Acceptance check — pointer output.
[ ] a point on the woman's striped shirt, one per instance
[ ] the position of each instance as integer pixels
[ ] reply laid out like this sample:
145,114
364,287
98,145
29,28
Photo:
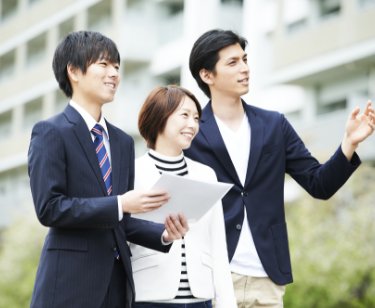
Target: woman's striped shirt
177,165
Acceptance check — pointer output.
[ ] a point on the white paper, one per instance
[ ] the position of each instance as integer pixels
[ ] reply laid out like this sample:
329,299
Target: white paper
190,197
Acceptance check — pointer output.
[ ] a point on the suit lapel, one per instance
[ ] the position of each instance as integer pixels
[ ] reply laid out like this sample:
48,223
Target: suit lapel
213,136
256,146
83,135
115,157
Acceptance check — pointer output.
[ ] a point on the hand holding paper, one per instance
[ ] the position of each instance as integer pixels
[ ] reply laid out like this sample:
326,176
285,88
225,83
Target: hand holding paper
190,197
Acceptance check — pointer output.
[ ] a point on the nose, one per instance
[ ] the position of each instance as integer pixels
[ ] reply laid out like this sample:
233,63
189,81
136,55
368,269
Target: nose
113,72
192,124
244,67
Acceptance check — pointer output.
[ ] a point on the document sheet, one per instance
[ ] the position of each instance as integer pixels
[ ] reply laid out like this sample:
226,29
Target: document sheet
190,197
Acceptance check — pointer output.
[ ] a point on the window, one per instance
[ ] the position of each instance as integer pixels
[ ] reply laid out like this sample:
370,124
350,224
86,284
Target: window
331,107
99,15
7,65
32,2
36,49
226,1
328,8
32,113
66,27
8,8
366,3
5,125
297,26
170,78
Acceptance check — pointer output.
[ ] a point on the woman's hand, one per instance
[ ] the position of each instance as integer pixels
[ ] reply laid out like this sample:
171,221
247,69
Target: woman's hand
174,228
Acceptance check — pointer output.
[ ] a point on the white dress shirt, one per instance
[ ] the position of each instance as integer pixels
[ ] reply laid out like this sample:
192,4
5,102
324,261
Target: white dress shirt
245,260
90,122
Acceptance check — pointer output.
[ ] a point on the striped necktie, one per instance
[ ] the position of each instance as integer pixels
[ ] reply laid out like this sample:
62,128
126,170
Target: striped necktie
103,158
104,164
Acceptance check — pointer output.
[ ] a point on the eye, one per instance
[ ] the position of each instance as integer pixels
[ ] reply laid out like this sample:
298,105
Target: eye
231,63
245,60
103,63
117,67
185,114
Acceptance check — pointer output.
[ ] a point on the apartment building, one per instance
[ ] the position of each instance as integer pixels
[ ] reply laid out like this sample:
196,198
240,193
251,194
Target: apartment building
154,38
313,60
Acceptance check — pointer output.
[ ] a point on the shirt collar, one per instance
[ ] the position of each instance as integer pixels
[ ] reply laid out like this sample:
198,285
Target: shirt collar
90,121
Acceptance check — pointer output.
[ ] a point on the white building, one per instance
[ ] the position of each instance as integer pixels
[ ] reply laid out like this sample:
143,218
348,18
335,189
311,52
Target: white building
311,59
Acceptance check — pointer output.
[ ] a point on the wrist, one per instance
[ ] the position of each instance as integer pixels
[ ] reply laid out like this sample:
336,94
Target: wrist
348,147
123,204
348,143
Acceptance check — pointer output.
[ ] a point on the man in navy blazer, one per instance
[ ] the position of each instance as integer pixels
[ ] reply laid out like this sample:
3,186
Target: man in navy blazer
82,178
253,148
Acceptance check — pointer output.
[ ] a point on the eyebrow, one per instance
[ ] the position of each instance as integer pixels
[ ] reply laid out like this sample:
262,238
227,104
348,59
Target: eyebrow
236,58
188,110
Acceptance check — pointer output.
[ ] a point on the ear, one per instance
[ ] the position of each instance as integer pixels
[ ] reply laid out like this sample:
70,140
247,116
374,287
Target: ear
206,76
72,73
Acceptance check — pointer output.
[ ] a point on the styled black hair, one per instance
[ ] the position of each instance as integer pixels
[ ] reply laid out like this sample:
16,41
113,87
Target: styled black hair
205,53
80,50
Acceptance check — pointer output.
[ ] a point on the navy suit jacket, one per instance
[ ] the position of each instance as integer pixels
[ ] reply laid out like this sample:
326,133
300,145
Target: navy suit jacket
70,197
275,149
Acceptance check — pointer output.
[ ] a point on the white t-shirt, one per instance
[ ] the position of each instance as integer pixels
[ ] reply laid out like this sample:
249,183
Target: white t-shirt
245,260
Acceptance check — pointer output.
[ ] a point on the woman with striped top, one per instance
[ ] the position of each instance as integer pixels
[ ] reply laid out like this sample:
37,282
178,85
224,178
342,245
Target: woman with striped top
196,269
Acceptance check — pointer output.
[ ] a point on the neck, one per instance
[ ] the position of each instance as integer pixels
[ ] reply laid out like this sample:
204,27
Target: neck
227,108
164,148
94,109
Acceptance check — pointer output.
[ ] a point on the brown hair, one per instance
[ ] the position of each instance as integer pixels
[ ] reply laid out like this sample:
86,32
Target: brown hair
159,105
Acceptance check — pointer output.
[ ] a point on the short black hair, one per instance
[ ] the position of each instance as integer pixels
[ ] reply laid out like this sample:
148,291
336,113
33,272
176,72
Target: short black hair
205,53
80,50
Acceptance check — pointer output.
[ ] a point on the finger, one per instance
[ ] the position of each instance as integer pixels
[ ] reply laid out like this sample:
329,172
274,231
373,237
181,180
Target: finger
174,231
149,209
368,107
168,229
372,117
354,114
155,205
183,221
164,199
155,192
372,126
178,225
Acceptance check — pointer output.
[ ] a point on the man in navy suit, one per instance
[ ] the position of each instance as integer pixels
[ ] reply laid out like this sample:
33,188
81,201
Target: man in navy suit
253,148
82,178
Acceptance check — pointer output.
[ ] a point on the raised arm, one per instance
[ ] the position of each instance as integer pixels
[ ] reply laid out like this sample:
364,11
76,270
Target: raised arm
321,181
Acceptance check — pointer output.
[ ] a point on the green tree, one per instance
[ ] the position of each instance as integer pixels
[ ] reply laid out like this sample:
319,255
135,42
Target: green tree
332,246
21,245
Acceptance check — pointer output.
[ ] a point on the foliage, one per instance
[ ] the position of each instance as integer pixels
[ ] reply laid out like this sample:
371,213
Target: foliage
332,246
21,245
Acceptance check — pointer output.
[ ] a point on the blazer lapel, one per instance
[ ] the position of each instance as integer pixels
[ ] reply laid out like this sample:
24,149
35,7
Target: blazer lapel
256,146
83,135
212,134
115,157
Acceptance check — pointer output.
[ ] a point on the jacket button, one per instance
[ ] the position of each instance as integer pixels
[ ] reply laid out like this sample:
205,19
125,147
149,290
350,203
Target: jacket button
245,193
113,248
238,227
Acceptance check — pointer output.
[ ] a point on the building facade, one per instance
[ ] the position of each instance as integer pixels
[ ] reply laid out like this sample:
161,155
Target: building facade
310,59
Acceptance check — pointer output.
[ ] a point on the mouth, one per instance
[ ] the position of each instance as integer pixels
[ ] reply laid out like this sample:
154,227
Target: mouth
110,85
244,81
188,135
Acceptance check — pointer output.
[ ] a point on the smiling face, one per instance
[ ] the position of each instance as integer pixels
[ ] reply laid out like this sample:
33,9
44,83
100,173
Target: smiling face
232,73
180,129
99,84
